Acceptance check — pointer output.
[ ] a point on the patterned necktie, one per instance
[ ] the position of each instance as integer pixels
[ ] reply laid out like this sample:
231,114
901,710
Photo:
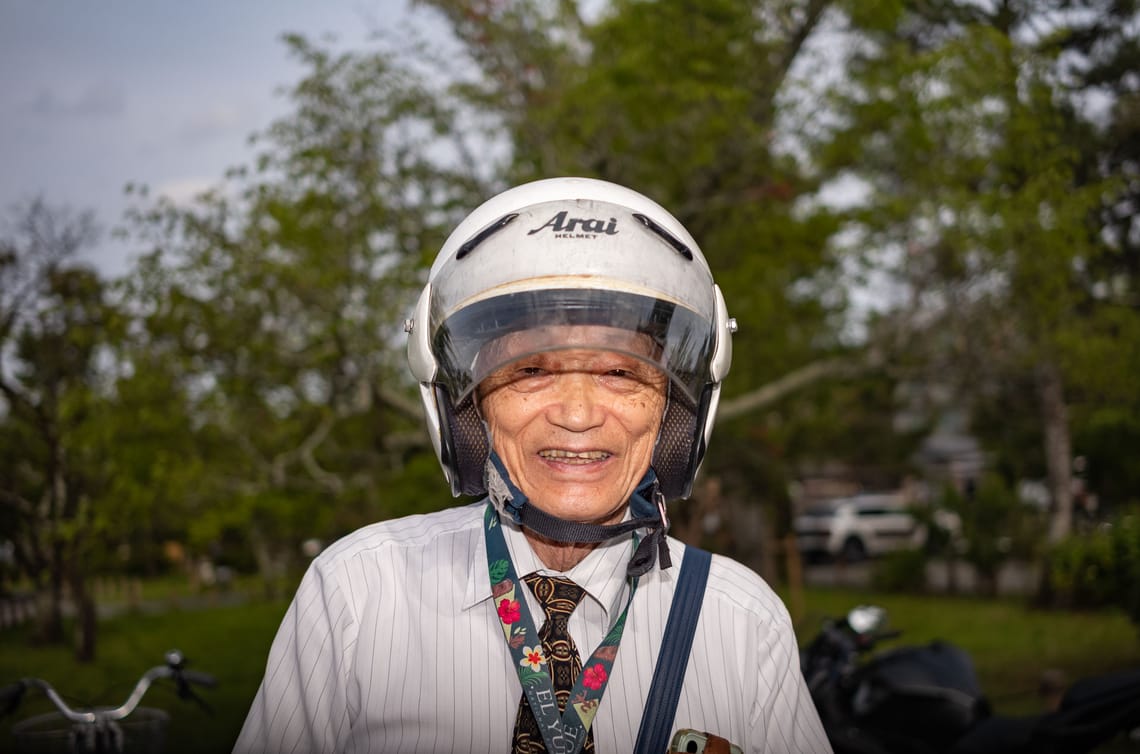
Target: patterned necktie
558,598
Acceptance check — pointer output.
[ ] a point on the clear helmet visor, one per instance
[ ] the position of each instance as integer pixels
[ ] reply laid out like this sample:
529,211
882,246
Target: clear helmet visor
491,333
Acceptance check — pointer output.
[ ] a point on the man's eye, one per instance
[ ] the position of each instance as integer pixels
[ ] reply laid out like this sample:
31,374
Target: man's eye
620,373
529,379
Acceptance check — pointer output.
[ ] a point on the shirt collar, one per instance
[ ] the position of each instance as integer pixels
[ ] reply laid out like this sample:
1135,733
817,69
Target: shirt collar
601,573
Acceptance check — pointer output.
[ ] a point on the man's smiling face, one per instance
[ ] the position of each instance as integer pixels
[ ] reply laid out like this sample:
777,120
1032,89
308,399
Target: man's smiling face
576,427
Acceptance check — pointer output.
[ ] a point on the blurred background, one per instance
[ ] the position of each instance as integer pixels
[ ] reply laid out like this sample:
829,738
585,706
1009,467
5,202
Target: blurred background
216,216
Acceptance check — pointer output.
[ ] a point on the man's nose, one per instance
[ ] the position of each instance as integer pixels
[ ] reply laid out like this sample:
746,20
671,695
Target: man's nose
578,403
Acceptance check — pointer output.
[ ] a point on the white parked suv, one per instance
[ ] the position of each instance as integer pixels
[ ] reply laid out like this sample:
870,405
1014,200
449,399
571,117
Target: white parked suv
853,528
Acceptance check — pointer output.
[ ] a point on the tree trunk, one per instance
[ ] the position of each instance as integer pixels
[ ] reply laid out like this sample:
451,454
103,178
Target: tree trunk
269,564
1058,459
951,569
1058,449
51,620
85,626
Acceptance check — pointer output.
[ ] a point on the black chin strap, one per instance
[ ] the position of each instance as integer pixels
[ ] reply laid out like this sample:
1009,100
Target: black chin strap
652,549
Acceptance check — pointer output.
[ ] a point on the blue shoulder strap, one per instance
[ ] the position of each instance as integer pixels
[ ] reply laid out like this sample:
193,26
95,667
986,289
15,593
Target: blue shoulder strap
661,707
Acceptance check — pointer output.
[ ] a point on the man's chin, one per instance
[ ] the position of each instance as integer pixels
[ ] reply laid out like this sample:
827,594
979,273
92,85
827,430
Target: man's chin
579,506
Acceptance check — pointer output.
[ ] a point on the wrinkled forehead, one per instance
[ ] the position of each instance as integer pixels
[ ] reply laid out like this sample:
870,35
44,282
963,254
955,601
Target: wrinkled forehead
520,344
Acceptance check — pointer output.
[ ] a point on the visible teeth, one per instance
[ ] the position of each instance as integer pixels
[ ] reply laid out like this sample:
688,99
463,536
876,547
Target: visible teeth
570,456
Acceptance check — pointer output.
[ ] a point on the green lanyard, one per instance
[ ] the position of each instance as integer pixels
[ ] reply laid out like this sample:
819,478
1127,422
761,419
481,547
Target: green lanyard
565,734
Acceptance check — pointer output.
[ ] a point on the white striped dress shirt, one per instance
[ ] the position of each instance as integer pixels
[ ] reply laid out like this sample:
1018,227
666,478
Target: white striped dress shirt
393,644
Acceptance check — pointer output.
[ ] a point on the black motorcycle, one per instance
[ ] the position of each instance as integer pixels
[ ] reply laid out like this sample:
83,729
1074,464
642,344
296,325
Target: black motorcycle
927,700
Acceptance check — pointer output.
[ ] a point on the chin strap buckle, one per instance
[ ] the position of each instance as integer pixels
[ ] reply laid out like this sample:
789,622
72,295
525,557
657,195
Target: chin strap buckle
655,547
663,559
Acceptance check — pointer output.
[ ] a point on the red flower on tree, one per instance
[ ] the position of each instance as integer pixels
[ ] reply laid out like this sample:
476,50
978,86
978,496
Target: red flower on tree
594,676
508,611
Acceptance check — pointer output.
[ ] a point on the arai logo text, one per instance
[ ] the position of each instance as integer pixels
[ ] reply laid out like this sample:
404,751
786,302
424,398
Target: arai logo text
577,227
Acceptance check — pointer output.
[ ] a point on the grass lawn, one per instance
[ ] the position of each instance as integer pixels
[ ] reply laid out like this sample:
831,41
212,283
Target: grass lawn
230,643
1011,646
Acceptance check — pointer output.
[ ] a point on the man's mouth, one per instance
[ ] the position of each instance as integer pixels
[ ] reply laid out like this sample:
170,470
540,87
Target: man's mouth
574,457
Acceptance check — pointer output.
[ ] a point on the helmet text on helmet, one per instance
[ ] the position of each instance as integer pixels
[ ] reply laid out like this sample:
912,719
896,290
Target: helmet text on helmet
564,227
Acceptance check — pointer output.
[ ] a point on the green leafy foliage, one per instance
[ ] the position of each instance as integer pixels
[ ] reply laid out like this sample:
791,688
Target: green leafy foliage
58,324
281,308
975,160
1101,568
996,526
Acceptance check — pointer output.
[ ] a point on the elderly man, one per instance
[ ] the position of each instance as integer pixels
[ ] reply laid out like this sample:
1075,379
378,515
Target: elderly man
570,346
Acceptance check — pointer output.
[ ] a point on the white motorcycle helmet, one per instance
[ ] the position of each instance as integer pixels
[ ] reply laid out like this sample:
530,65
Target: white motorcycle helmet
569,251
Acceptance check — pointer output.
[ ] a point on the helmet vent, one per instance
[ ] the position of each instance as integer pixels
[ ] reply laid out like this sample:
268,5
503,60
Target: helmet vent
470,244
671,239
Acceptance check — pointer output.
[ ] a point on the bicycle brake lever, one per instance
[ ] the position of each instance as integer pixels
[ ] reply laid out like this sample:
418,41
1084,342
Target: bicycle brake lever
185,691
200,679
189,694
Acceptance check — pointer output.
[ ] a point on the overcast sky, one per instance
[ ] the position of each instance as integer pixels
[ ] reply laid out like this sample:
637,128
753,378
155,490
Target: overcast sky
96,94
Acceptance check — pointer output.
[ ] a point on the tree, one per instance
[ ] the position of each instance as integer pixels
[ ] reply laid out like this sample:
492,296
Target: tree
55,322
976,187
1100,52
280,299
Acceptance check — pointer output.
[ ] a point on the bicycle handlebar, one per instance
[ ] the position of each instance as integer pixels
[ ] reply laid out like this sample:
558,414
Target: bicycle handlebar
11,695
